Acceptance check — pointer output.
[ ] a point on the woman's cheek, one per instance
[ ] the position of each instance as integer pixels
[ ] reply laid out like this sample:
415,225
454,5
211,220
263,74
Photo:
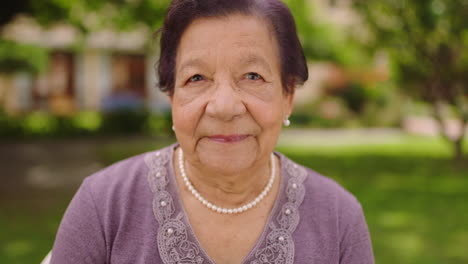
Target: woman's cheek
260,91
188,111
264,102
192,92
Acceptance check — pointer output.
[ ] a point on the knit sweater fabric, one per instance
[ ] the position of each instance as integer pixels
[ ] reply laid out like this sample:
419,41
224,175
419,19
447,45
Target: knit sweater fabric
131,212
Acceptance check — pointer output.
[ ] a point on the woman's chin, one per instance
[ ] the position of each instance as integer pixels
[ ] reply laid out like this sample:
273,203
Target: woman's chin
228,157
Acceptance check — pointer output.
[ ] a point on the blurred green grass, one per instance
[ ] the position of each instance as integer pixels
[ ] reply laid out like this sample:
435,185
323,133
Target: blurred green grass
28,223
414,197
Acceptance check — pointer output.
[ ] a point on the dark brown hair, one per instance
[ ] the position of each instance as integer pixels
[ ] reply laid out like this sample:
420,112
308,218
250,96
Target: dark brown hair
181,13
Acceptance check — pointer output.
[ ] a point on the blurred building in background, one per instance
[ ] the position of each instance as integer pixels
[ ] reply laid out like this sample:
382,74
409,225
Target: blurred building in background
101,70
107,69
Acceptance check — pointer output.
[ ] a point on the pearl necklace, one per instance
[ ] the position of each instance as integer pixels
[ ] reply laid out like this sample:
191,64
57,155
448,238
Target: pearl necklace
219,209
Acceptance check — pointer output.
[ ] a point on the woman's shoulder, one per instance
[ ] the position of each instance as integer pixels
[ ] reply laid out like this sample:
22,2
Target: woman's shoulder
327,187
97,221
331,219
329,205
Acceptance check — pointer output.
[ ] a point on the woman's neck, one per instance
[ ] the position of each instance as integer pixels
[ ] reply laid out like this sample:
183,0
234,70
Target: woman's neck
228,189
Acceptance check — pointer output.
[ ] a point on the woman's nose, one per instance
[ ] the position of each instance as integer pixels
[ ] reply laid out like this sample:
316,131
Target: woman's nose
225,103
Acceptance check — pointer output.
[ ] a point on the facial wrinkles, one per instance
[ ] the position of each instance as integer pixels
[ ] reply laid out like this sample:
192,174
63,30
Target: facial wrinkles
224,89
235,44
229,71
238,65
223,68
226,107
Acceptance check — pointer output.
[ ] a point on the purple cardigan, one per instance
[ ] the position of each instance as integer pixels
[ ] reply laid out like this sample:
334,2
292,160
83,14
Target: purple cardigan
131,212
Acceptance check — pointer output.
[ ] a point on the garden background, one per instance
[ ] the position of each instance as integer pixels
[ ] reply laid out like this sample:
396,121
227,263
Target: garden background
385,113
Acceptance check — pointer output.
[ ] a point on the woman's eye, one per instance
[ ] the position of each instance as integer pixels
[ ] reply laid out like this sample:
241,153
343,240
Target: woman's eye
253,76
196,78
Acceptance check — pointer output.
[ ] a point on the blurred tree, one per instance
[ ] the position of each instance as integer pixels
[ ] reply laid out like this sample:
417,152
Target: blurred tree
21,57
324,41
321,41
87,15
427,42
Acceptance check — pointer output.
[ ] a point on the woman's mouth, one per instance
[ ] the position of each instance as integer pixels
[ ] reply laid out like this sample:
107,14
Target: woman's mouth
228,138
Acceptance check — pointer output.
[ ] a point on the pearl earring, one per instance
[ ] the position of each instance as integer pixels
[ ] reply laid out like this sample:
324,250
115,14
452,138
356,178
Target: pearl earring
173,128
286,122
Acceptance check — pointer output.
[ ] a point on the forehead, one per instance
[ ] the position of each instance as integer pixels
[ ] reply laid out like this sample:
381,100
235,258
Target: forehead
229,36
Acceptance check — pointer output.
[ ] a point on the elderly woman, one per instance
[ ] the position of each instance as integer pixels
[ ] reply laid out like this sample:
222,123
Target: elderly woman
221,194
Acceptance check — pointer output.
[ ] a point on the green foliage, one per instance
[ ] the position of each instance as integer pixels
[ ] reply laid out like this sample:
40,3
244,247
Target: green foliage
124,121
384,109
91,15
39,124
84,124
87,120
324,41
427,44
355,96
10,126
309,119
353,106
321,41
86,15
159,124
22,57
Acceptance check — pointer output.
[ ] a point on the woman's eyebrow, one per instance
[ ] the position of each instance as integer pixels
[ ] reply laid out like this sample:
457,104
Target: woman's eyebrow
192,63
253,59
246,60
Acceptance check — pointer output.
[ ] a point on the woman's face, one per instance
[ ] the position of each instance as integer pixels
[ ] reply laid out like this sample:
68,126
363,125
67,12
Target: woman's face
228,103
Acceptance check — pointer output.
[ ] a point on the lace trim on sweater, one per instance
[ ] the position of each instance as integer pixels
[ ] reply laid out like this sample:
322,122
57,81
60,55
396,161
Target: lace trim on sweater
176,246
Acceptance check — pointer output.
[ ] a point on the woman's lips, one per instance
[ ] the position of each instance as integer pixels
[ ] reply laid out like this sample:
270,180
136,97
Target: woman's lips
228,138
